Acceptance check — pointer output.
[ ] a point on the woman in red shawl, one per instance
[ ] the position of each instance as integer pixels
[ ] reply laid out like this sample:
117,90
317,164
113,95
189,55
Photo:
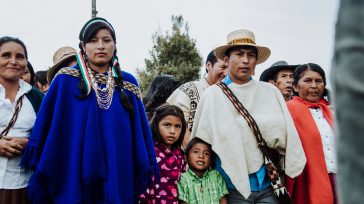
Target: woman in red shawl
314,122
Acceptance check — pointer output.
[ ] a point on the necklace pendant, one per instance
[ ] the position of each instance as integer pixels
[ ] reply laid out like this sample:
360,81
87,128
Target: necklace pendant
201,189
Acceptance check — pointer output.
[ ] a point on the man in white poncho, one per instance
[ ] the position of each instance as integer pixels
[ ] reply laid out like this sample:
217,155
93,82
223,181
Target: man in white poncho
217,122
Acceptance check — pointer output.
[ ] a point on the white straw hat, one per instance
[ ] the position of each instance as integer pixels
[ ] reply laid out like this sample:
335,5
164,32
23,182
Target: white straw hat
60,56
243,37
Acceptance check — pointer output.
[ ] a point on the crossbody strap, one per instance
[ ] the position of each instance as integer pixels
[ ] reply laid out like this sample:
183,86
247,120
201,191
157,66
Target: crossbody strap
13,119
249,119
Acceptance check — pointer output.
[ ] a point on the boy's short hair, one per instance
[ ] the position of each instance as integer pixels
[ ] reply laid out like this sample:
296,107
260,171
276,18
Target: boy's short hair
197,140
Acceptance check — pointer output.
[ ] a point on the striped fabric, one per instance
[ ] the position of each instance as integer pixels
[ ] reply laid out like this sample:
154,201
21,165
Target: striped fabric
206,190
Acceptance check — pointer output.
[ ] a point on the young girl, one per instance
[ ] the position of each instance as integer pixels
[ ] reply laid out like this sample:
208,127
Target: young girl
201,184
168,128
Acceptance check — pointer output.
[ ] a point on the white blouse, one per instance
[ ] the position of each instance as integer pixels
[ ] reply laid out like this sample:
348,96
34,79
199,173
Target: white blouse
327,138
11,175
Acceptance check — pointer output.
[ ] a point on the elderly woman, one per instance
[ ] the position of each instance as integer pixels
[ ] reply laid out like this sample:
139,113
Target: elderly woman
314,122
18,112
91,142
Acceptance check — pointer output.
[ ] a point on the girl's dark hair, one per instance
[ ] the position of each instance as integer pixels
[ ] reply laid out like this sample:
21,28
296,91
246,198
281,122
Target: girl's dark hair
161,112
197,140
248,47
88,31
159,91
299,71
7,39
32,73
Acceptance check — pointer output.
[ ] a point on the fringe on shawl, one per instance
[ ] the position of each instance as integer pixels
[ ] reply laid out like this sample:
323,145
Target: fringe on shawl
30,157
36,191
144,179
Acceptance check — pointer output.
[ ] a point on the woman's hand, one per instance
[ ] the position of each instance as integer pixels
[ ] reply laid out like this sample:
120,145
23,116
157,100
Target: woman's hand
23,141
12,146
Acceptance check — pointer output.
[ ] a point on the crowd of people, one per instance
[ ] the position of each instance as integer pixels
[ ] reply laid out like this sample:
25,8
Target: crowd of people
81,132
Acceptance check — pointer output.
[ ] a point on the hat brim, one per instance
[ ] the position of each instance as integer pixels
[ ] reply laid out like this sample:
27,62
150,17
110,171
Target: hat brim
263,52
268,73
55,68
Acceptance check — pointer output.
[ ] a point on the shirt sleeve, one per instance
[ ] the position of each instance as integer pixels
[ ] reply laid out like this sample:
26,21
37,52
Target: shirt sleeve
182,189
221,186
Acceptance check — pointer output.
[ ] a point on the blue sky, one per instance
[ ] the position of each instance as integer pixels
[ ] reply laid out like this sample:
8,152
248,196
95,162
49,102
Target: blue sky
295,31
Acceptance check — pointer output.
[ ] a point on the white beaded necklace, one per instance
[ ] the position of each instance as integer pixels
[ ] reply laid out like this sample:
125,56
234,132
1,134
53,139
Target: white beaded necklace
103,95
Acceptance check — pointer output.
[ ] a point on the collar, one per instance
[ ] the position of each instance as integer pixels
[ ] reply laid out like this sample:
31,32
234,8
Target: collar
24,88
195,177
227,80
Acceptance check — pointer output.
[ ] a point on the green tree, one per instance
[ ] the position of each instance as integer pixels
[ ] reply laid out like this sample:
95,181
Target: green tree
173,54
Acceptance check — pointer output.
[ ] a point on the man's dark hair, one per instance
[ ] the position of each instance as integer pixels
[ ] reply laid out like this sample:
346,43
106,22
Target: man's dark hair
248,47
211,58
41,77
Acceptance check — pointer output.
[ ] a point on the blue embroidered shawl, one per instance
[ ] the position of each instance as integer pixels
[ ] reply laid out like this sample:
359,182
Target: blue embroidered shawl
83,154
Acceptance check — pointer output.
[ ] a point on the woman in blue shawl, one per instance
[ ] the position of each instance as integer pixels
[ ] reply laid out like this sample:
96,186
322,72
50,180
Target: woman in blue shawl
91,141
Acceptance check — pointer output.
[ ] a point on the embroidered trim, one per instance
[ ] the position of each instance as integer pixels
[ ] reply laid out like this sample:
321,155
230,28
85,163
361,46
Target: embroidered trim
84,70
190,89
101,79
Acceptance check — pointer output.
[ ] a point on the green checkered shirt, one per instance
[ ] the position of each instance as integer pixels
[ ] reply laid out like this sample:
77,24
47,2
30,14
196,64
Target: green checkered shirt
206,190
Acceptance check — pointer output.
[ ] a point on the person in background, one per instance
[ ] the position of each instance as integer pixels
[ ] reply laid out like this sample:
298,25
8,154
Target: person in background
41,81
168,129
159,91
188,95
19,103
201,183
239,159
347,80
63,57
280,74
91,142
314,122
29,74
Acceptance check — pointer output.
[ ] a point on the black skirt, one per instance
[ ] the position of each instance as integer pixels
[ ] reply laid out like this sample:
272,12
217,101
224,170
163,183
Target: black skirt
13,196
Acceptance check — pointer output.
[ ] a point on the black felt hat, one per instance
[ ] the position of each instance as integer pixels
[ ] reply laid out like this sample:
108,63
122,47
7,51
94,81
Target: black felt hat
269,73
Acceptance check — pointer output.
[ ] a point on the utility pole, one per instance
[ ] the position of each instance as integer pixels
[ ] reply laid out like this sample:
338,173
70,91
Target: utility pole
94,12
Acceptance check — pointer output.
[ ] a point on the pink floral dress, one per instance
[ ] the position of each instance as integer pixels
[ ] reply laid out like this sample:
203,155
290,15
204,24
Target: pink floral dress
171,166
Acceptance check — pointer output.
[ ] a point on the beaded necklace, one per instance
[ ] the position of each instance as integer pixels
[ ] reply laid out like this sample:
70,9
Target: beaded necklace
103,95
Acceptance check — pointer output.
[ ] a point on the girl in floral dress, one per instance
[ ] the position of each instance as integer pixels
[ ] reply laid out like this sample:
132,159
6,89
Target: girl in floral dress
168,128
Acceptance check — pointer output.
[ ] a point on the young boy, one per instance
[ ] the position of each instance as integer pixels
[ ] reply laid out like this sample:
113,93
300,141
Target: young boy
201,184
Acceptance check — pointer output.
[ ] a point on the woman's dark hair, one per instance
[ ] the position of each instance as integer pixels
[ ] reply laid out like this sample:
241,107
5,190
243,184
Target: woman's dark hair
161,112
32,73
299,71
248,47
159,91
88,31
7,39
197,140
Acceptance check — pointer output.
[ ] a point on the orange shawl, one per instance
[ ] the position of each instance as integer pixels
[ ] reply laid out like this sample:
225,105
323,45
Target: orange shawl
313,185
